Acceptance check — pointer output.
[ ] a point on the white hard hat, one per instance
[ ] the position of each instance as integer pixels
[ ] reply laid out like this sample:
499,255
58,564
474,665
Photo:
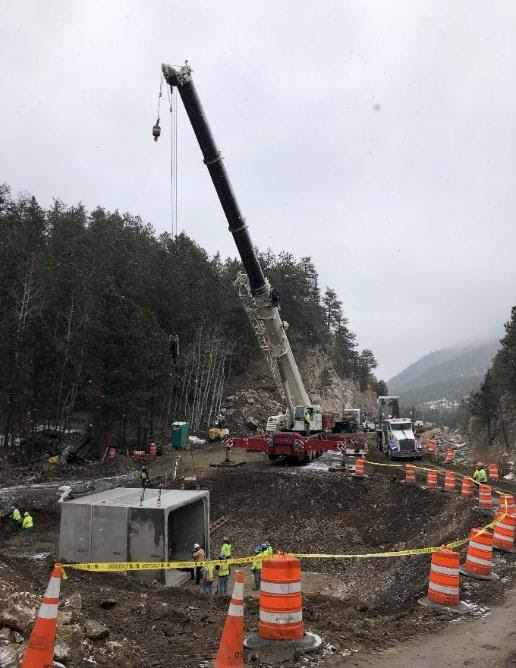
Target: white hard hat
196,545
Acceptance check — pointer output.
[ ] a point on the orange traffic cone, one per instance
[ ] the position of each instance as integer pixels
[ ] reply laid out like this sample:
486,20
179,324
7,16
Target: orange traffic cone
492,471
40,650
431,479
231,650
479,558
467,488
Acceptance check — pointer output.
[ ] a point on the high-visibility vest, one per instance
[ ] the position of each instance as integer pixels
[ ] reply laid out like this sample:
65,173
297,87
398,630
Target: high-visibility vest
225,550
16,515
27,522
308,417
223,570
207,572
257,563
480,475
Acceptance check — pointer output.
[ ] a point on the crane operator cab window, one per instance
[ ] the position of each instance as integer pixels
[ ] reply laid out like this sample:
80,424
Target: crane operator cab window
300,412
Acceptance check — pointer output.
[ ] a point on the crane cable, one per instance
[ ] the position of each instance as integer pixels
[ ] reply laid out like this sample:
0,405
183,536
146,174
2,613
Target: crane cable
156,132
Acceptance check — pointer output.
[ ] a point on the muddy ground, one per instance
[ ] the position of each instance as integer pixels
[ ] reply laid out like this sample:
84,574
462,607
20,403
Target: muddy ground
358,606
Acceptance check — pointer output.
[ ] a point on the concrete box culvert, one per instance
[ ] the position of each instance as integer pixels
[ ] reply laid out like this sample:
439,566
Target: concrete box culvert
112,526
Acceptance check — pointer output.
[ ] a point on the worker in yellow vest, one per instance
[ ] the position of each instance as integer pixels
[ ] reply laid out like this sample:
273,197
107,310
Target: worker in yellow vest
256,567
27,526
16,518
208,572
223,575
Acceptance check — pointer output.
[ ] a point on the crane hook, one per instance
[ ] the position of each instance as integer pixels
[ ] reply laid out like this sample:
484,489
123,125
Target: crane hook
156,130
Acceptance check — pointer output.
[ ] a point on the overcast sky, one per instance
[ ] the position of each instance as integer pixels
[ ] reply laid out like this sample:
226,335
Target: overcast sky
377,137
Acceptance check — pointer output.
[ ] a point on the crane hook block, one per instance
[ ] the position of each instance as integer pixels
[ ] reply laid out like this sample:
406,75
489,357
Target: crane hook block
156,131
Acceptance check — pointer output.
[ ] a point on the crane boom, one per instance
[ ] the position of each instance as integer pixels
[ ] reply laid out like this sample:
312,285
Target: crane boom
267,309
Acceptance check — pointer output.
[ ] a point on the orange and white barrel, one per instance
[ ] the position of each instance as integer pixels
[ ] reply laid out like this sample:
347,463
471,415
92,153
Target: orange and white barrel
410,473
484,497
503,532
449,481
281,610
467,488
359,467
492,471
431,479
479,558
443,584
450,456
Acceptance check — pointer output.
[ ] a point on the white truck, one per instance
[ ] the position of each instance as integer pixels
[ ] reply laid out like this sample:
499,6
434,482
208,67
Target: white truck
394,434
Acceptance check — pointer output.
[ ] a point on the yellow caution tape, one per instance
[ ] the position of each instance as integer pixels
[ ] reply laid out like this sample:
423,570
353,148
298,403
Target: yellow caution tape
117,566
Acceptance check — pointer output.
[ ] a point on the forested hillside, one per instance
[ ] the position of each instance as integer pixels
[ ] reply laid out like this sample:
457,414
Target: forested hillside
89,302
490,413
449,374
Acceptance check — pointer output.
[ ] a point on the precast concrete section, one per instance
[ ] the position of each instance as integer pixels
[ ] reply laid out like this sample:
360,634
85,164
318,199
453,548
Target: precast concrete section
116,525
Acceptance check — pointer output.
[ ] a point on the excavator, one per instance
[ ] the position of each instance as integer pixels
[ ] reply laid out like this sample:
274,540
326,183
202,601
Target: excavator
298,433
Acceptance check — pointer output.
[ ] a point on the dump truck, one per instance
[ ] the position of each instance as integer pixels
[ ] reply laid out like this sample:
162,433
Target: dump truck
298,433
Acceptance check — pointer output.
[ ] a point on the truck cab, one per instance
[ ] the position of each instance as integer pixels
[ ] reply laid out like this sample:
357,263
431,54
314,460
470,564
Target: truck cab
396,438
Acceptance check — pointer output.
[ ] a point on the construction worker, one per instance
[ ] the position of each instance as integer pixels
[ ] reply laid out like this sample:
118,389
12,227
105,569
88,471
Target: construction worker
27,525
207,577
480,475
308,420
225,550
16,518
256,567
144,477
267,549
198,554
223,575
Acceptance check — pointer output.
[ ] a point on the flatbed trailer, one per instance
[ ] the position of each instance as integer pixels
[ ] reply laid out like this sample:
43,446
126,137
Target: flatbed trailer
297,446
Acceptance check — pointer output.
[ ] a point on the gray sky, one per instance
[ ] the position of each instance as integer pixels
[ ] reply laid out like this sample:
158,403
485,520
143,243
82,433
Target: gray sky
377,137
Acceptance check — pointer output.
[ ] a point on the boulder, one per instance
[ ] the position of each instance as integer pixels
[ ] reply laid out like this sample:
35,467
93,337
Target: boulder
16,613
113,646
95,630
251,423
9,656
5,635
62,651
74,602
70,635
64,617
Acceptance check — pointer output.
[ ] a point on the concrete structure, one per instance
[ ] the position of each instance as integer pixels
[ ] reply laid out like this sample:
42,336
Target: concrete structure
117,526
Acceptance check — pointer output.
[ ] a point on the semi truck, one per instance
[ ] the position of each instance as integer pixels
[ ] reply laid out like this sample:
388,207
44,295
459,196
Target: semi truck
298,433
394,434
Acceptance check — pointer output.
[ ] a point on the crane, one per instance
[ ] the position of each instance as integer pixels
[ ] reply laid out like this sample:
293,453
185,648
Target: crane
286,434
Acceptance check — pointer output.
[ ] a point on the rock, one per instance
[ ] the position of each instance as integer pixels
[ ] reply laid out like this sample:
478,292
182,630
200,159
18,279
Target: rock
108,603
5,634
249,400
9,657
113,646
62,651
18,638
64,617
251,423
74,602
16,614
95,630
70,635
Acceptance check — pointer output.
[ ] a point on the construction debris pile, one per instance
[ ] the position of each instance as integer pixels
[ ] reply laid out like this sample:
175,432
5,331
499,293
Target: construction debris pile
246,411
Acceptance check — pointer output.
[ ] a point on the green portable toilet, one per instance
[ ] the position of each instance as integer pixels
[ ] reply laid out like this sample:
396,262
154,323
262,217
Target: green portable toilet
179,435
